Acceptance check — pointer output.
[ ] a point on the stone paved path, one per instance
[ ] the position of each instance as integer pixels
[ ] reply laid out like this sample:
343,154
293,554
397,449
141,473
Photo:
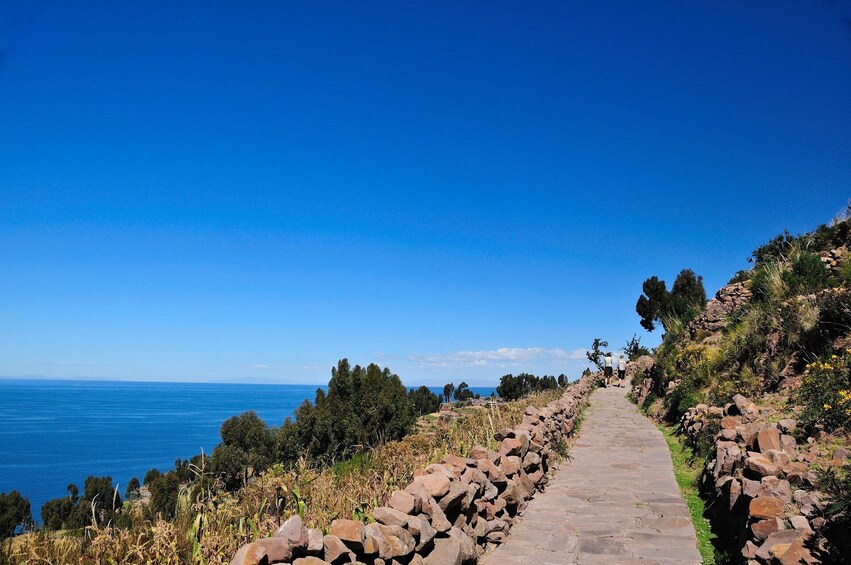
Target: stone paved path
615,502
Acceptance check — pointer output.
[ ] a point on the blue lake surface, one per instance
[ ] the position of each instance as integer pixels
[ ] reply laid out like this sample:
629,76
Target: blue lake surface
57,432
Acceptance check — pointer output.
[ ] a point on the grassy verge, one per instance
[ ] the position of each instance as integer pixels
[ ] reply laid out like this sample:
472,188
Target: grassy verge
687,474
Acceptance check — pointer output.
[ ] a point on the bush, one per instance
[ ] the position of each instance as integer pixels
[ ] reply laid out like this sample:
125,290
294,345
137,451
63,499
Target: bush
836,484
807,274
14,513
825,393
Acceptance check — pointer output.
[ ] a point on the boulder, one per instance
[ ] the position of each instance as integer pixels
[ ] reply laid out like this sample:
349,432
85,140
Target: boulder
510,446
768,439
334,549
405,502
478,452
310,560
797,553
350,532
294,532
390,516
315,544
453,498
510,465
277,549
447,551
783,537
392,541
250,554
764,528
435,484
764,507
760,465
531,462
420,527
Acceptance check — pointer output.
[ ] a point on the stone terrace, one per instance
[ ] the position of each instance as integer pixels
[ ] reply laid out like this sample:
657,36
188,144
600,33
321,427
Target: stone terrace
615,502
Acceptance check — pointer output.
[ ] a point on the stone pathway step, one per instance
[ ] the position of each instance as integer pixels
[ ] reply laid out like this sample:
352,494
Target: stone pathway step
616,500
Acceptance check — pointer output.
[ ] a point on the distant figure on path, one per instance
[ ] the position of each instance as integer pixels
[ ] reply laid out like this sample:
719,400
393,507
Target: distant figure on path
621,371
607,368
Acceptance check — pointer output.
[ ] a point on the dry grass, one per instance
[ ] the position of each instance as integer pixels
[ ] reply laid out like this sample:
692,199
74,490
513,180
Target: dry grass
211,528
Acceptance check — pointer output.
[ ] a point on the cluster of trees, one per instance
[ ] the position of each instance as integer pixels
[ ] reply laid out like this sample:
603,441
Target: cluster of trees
461,393
512,387
100,501
15,514
658,305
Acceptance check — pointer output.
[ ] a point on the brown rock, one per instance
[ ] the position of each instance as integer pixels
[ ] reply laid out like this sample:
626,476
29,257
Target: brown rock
447,551
764,528
778,538
250,554
510,446
730,422
420,528
510,465
277,549
796,472
787,425
761,465
315,544
438,517
350,532
392,541
766,507
436,484
797,553
310,561
335,549
531,462
294,532
405,502
478,452
767,439
453,498
390,516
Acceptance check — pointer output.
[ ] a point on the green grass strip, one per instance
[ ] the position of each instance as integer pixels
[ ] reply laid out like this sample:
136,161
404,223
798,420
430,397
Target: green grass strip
687,474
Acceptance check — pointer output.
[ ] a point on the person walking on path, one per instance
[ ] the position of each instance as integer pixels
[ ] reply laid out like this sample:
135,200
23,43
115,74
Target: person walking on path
607,368
621,371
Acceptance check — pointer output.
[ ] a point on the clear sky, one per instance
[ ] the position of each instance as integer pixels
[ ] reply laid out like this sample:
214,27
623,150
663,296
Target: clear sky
250,191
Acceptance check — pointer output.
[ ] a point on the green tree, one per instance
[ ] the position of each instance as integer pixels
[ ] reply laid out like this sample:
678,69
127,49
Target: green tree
448,389
562,380
132,491
463,392
15,514
424,400
595,354
164,495
151,475
634,349
685,300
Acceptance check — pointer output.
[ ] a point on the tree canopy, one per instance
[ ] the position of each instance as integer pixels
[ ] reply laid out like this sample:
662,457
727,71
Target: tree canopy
512,387
657,305
15,514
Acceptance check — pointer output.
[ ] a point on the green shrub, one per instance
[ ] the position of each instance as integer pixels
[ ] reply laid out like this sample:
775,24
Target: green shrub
742,276
845,272
836,484
807,274
825,393
769,283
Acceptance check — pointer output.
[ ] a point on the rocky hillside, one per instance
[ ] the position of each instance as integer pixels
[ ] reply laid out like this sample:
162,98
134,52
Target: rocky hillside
760,382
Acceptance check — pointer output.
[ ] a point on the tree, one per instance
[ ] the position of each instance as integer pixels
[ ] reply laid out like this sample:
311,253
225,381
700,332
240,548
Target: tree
100,497
424,401
151,475
15,514
448,389
634,349
685,300
132,491
562,380
164,495
595,354
652,305
463,392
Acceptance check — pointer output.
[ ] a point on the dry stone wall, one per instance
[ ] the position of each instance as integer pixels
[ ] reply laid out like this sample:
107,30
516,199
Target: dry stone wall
763,481
450,512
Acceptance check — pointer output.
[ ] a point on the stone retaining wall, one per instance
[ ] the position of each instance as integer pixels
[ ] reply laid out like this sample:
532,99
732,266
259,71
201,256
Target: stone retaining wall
450,512
763,482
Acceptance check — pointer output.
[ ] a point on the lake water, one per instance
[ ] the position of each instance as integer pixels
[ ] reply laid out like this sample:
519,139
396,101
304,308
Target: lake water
57,432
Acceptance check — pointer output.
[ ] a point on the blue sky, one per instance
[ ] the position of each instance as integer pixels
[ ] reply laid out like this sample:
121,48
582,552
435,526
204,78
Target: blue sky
248,192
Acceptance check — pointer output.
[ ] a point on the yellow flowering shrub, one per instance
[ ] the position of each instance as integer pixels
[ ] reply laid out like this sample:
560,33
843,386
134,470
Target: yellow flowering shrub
825,392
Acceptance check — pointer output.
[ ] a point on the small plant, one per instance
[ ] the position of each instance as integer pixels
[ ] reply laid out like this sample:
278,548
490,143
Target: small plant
807,274
836,484
825,393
